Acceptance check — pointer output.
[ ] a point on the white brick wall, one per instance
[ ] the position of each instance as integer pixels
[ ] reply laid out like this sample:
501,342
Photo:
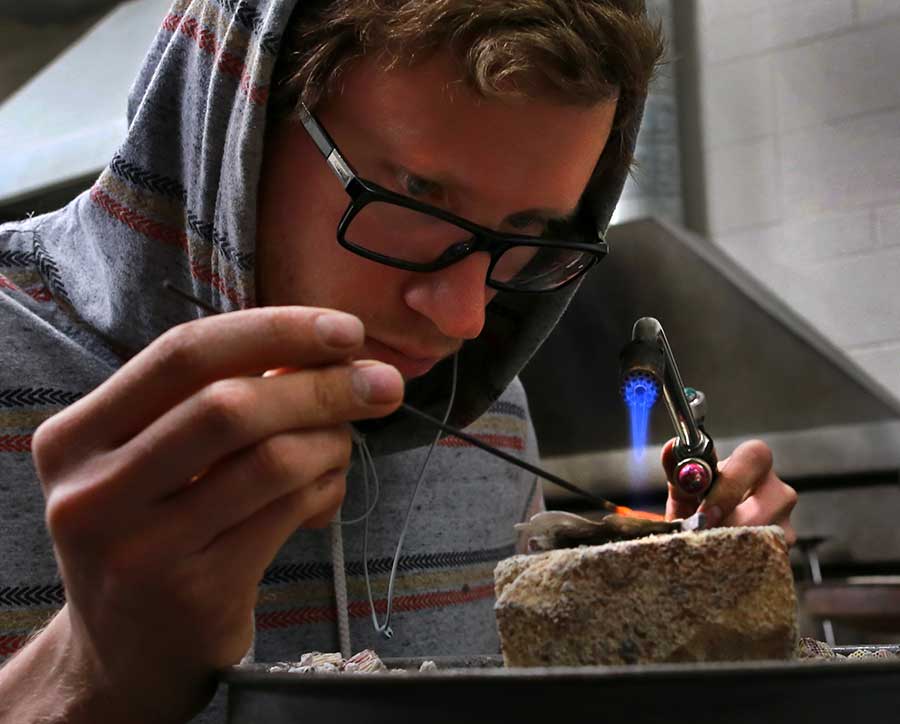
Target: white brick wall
734,29
842,165
748,115
887,227
838,77
743,184
800,115
875,10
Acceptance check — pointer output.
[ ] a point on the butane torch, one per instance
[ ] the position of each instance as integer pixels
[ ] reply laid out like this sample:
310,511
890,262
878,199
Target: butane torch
648,368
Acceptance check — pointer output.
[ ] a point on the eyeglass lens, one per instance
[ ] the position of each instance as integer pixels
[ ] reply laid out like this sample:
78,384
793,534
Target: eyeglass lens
411,236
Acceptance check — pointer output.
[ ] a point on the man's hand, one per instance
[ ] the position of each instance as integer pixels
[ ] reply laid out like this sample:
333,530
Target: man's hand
746,492
171,487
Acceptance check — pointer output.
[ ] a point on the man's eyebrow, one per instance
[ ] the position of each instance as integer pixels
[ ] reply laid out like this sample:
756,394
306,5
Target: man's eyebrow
554,215
450,181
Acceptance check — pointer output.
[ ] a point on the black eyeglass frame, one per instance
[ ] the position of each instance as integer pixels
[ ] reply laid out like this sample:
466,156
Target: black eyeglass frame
363,192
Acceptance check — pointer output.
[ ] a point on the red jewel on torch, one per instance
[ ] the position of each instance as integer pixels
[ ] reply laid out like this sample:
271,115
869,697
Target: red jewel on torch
693,477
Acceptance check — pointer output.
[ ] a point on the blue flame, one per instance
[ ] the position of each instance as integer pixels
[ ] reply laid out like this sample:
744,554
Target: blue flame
640,392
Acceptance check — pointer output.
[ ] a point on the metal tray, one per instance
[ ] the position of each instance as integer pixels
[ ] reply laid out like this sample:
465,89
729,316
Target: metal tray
477,690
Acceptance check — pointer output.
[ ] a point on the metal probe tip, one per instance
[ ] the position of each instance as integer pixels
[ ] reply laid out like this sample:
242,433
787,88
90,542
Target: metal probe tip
696,522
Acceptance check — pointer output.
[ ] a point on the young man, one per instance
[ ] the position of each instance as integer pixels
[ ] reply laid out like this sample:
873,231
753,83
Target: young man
386,245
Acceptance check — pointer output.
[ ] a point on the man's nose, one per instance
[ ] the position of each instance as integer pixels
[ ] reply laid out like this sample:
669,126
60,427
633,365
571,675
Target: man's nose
454,298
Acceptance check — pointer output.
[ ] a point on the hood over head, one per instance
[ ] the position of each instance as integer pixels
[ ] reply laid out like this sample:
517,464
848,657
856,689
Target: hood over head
178,202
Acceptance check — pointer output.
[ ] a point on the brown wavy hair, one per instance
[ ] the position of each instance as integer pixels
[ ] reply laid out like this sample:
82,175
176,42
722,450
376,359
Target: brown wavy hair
578,52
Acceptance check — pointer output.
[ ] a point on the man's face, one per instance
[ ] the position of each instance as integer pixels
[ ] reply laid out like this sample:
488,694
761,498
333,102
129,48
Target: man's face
420,133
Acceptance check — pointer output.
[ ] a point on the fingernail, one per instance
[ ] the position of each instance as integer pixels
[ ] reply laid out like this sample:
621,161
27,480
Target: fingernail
713,515
377,383
339,330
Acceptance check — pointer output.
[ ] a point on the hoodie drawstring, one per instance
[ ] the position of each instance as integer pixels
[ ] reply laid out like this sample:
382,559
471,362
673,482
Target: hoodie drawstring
340,586
337,544
385,629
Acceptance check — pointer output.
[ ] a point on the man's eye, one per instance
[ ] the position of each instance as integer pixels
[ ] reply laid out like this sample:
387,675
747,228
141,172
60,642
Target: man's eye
530,225
418,187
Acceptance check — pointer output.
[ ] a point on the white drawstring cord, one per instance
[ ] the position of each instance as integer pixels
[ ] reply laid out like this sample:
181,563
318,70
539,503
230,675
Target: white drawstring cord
385,628
337,544
367,462
339,571
339,575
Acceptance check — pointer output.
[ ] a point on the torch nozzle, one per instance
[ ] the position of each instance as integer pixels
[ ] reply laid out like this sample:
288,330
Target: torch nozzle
640,389
647,371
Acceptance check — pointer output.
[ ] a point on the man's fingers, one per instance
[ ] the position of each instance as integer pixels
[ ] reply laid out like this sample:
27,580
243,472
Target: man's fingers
746,491
771,503
738,477
784,522
790,535
249,547
245,483
668,458
680,505
324,518
190,356
233,414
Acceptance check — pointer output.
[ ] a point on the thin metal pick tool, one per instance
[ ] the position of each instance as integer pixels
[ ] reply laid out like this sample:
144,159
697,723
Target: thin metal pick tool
471,439
695,522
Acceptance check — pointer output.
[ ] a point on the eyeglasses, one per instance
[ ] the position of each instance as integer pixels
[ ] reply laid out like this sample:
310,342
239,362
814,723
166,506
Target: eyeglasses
401,232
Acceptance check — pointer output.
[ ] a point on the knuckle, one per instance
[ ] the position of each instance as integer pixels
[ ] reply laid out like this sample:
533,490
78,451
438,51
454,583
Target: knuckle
334,485
176,349
317,523
55,440
281,325
790,535
790,497
301,457
298,506
735,487
757,454
342,444
47,448
315,507
58,514
326,391
77,502
225,405
276,458
69,514
332,488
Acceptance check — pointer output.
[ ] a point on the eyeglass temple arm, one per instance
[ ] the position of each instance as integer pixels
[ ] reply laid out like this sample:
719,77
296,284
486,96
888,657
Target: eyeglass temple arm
326,146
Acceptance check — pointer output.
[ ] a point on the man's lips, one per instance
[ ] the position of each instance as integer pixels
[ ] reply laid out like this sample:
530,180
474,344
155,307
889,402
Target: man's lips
410,363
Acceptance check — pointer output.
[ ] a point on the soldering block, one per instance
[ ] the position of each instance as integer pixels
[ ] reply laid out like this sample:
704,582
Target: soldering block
725,594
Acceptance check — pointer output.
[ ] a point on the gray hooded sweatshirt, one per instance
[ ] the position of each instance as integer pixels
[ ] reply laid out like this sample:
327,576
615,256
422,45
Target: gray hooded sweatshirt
81,292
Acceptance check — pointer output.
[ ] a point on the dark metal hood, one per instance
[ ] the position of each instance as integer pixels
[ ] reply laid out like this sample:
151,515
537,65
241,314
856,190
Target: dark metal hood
765,371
